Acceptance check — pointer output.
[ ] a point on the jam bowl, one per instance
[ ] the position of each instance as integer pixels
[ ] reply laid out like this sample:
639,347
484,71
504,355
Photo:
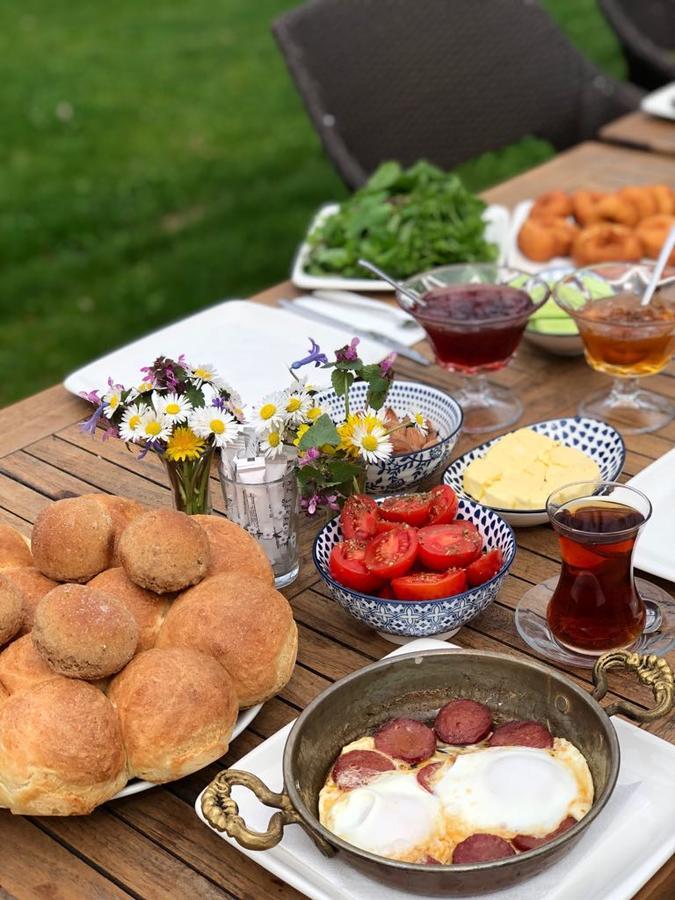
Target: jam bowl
421,682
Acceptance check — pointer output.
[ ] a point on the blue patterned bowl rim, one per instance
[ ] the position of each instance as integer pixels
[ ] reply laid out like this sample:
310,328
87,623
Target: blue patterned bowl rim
442,395
537,512
384,601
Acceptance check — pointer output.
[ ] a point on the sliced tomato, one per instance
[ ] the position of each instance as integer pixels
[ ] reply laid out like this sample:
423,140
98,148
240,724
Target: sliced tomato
347,566
386,592
412,509
449,546
429,585
443,507
359,518
383,525
485,567
392,553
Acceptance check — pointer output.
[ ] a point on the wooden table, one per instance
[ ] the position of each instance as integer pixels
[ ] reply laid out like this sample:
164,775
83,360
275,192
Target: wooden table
151,844
644,132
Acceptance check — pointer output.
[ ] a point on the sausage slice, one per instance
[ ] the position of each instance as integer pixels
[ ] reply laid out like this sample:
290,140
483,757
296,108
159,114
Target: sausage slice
481,848
463,722
528,842
522,734
425,776
356,767
406,739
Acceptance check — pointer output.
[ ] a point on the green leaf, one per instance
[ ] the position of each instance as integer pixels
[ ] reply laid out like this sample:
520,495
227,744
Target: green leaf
342,470
384,176
341,380
195,396
323,431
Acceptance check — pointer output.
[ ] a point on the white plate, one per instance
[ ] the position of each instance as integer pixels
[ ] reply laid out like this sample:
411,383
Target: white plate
628,842
595,438
497,231
136,786
660,103
654,549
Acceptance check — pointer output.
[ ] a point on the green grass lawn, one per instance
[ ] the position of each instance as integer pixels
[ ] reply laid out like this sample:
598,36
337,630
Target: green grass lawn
155,158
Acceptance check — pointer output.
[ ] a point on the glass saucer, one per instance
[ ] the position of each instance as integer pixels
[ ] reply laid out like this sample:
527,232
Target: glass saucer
658,635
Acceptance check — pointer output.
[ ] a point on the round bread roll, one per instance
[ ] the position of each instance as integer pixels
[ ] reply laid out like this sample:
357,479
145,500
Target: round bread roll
14,548
3,696
22,667
164,550
73,539
84,633
122,510
11,610
245,625
176,708
33,585
61,750
233,549
148,609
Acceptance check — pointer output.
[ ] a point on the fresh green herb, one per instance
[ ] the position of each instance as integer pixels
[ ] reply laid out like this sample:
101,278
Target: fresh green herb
405,221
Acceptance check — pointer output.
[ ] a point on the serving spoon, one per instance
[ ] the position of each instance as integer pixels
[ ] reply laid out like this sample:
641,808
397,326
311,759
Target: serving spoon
411,295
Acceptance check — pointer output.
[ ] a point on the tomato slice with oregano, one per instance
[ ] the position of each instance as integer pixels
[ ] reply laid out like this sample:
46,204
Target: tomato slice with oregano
410,509
485,567
429,585
443,507
392,553
454,545
347,566
359,518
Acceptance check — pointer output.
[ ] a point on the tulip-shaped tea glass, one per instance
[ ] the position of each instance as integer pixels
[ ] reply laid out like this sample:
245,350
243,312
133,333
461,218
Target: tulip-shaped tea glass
596,604
474,315
623,338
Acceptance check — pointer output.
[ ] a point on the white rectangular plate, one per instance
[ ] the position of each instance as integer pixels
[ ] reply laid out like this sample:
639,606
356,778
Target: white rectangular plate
654,549
629,841
497,231
660,103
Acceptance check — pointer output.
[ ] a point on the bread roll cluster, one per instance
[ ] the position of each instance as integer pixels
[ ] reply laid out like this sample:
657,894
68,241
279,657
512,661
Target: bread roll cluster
594,227
131,638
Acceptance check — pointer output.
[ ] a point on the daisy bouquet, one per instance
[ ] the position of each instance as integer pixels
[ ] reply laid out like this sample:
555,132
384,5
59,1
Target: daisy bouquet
180,411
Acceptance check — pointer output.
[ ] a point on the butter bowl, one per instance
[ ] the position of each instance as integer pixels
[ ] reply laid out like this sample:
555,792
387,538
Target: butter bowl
598,440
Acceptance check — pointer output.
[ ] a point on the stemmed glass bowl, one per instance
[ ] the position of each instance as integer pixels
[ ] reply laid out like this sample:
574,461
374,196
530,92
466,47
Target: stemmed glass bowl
474,315
623,339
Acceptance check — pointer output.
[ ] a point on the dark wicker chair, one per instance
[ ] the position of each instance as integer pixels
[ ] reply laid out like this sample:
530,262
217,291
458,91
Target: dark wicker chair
646,29
442,80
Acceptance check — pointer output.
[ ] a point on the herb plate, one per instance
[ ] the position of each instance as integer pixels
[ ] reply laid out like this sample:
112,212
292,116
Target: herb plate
497,219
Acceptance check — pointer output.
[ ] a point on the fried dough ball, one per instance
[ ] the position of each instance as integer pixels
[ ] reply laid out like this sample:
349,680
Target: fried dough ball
664,197
605,242
653,232
543,238
552,204
11,610
641,198
584,204
616,210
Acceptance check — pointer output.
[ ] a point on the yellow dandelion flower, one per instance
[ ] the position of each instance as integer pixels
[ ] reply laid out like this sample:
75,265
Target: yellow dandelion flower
184,444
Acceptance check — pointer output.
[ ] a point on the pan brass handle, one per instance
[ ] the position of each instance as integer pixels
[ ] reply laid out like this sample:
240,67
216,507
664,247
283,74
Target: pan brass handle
652,670
222,812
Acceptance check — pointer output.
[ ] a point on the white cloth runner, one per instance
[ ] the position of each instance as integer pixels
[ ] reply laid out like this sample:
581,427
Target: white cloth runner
363,312
251,346
628,842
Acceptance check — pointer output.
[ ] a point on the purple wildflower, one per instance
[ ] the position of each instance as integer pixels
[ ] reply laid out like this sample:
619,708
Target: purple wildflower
89,426
91,397
170,379
309,456
109,432
219,403
331,501
348,352
314,356
312,504
387,363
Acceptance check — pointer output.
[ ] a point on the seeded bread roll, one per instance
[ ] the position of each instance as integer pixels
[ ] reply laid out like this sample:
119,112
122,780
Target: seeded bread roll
33,585
147,608
164,550
84,633
244,624
122,511
14,548
11,610
73,539
61,750
233,549
176,708
22,667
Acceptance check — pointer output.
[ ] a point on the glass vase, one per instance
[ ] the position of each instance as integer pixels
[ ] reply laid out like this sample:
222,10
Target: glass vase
190,483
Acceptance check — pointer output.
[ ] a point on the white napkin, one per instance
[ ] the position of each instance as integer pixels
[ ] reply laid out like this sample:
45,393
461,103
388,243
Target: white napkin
363,312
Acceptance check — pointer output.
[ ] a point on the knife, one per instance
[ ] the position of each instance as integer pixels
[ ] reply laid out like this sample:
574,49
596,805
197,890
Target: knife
397,346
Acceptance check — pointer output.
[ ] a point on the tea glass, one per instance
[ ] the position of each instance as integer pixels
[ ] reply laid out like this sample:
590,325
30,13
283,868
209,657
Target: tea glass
622,344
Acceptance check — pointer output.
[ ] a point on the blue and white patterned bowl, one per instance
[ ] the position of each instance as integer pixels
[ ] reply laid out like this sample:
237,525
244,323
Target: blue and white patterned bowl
402,472
398,620
592,436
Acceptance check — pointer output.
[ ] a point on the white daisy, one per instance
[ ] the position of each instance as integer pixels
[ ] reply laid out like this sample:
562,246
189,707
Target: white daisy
206,372
131,426
419,421
272,443
372,442
296,405
313,413
270,414
144,387
154,427
209,421
172,406
111,401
